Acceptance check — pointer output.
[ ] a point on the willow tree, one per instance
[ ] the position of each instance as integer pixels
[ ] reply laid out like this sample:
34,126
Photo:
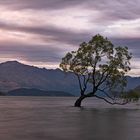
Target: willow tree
100,67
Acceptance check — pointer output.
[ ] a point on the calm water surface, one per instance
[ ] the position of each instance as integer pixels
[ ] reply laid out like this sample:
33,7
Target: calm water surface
51,118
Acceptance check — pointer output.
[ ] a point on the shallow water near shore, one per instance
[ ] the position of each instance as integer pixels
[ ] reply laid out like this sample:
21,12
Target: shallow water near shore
55,118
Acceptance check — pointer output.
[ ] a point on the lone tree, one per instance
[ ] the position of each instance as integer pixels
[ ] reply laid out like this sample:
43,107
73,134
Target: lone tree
100,67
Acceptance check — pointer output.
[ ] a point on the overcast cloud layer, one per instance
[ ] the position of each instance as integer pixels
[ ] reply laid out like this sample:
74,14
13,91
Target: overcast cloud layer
40,32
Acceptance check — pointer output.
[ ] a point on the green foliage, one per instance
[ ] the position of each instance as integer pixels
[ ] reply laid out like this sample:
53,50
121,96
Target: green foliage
131,95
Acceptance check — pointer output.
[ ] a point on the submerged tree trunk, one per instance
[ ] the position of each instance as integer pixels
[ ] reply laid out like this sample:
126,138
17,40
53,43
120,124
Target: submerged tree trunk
79,100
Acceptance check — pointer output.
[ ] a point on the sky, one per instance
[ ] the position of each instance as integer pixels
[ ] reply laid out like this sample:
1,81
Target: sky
40,32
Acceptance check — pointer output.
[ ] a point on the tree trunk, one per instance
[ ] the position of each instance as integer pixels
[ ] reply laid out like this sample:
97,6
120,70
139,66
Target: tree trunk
79,100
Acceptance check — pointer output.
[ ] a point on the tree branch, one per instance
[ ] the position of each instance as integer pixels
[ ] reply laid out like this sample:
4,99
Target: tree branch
93,74
112,103
100,81
84,81
80,85
89,74
106,94
103,80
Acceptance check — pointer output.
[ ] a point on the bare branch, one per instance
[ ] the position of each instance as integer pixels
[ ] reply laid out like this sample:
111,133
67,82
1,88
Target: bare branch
93,74
79,81
84,81
106,94
88,78
112,103
100,81
103,80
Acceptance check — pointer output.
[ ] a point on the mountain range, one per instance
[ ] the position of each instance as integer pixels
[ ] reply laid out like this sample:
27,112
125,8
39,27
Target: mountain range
15,75
36,92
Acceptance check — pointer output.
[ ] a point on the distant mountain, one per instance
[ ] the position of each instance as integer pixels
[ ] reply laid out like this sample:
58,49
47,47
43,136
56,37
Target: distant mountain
133,82
36,92
137,88
15,75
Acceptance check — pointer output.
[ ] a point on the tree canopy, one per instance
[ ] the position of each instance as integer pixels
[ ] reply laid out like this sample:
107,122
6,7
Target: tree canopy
100,65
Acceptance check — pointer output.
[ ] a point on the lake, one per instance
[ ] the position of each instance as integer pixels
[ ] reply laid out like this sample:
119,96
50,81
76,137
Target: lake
55,118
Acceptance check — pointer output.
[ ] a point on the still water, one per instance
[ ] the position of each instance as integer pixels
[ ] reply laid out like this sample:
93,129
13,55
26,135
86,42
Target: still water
51,118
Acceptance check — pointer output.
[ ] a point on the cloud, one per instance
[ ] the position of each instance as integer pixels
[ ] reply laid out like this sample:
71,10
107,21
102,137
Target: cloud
116,9
32,53
45,32
111,9
39,4
61,37
132,43
110,18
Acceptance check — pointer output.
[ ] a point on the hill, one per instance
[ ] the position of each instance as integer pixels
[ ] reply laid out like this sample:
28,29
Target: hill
15,75
36,92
